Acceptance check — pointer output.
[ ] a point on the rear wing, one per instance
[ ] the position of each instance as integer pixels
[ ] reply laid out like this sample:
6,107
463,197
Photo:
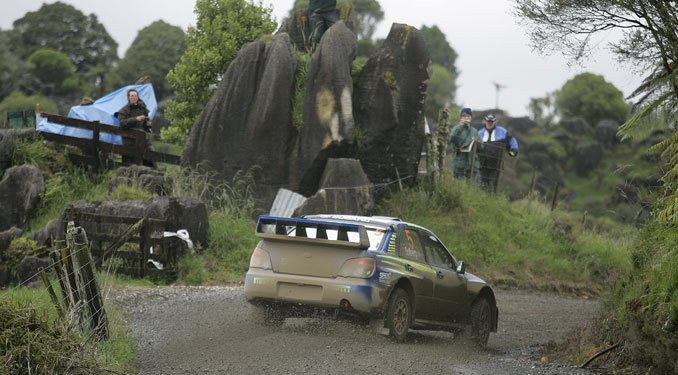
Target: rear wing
313,231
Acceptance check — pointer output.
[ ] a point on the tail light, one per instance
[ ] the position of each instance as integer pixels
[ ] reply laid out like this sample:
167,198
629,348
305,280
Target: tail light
260,259
358,267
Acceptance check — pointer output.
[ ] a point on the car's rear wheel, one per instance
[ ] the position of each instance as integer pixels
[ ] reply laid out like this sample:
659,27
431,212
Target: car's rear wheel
481,322
269,315
399,315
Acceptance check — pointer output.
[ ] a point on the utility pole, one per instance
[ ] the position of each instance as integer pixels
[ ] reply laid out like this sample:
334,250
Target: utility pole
497,87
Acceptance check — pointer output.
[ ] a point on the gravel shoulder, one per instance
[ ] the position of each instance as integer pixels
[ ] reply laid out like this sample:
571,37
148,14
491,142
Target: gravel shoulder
208,330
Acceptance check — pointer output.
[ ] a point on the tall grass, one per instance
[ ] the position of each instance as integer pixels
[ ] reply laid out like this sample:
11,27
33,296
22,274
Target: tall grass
34,341
517,242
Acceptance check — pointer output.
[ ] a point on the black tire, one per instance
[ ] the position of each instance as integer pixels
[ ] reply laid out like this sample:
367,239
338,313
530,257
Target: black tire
481,322
399,315
269,315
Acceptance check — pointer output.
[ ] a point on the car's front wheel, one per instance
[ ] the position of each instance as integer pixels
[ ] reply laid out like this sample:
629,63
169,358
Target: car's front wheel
481,322
399,315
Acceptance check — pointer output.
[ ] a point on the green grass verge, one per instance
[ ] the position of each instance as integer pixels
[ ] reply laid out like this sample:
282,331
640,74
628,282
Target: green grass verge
519,242
33,340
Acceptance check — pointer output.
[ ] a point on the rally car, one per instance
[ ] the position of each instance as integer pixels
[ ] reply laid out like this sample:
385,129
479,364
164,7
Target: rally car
368,267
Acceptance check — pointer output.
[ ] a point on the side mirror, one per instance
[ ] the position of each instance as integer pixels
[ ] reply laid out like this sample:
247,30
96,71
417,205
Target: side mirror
461,267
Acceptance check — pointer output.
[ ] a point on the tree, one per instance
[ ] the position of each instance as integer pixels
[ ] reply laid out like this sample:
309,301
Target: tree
543,109
154,52
588,95
647,301
368,14
441,51
222,28
440,93
14,73
62,27
53,68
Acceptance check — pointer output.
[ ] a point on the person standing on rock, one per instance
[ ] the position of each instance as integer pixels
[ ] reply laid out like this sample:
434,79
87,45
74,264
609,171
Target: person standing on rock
322,15
462,139
134,115
495,139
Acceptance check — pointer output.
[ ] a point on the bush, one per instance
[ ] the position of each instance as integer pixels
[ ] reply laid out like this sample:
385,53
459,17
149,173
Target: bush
20,248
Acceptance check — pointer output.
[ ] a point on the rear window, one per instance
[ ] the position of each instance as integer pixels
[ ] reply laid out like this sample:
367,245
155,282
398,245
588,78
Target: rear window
375,235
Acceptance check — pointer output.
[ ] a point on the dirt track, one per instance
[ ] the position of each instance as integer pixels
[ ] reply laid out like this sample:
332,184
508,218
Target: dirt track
208,330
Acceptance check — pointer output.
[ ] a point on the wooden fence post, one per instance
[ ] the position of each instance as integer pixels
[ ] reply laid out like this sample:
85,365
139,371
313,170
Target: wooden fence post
555,197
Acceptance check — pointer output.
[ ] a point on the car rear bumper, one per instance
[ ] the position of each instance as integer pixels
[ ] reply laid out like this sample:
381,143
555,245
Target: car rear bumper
362,294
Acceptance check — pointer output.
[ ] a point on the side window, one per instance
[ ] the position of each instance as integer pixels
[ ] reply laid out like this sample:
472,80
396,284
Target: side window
410,246
436,254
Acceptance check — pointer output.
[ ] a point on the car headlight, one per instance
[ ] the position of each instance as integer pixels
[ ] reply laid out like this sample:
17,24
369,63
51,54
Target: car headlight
260,259
358,267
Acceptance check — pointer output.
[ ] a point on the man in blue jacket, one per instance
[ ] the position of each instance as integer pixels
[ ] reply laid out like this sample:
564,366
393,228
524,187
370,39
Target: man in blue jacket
495,139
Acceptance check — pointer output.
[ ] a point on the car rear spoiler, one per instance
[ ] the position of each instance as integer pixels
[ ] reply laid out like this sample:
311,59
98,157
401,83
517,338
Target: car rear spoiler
279,228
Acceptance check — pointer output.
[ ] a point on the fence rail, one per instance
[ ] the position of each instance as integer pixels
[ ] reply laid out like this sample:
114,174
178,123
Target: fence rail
146,233
134,145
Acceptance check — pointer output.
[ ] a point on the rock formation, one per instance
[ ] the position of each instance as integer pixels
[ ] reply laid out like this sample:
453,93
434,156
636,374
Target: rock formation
20,190
388,106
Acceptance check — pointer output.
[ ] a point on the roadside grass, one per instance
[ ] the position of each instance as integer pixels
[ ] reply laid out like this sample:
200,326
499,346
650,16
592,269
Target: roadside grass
34,340
517,243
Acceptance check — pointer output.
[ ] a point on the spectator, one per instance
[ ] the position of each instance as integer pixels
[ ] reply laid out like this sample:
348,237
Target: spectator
323,14
134,115
495,139
462,139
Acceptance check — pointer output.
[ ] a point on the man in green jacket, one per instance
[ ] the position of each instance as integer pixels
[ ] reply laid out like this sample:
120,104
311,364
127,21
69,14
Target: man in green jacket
323,14
462,139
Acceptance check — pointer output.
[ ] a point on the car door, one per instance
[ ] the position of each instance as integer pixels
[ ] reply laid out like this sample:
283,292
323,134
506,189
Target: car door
450,286
420,274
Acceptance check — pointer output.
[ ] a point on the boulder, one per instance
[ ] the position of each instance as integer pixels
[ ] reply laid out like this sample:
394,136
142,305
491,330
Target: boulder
587,156
20,190
45,235
329,128
147,178
248,120
388,106
6,238
344,189
606,133
5,275
28,270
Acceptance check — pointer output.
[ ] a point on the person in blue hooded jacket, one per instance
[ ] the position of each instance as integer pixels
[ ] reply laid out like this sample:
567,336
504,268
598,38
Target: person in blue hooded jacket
494,139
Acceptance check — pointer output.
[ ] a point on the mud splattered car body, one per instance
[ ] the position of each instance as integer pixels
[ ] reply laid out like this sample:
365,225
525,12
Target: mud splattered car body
372,267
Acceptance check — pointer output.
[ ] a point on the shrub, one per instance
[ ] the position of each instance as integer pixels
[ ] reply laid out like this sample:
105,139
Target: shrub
20,248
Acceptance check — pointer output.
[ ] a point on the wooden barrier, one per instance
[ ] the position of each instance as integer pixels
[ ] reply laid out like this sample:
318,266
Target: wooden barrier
134,145
146,232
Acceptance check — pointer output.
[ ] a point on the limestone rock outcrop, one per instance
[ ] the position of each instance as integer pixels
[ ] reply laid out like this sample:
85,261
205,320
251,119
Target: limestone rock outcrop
20,190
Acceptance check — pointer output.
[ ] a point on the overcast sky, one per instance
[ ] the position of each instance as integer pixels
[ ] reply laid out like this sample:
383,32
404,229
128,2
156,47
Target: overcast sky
491,44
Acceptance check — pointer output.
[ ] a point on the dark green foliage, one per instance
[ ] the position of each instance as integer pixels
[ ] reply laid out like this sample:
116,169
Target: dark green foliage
440,92
64,28
20,248
13,69
154,52
223,27
441,52
588,95
53,69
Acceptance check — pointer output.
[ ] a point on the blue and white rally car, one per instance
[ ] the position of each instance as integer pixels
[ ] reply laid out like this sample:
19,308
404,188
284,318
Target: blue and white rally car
371,267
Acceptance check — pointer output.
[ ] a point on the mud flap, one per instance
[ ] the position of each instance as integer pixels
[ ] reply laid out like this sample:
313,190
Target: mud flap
377,326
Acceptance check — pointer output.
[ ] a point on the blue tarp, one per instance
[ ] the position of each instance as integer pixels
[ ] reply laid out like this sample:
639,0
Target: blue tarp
102,110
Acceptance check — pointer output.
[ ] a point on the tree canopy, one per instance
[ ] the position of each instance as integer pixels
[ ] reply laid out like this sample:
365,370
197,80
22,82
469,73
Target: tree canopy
64,28
13,69
154,52
223,27
441,52
53,69
440,92
590,96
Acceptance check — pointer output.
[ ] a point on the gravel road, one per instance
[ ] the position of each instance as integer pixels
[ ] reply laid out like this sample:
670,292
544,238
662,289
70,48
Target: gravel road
208,330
